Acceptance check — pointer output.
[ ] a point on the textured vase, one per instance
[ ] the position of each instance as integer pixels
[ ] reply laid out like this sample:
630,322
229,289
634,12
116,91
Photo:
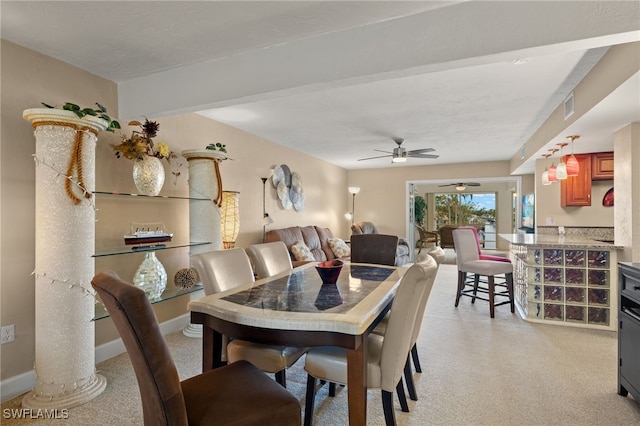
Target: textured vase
148,175
151,276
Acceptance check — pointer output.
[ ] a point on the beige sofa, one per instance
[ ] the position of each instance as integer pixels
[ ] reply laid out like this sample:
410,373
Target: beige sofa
315,237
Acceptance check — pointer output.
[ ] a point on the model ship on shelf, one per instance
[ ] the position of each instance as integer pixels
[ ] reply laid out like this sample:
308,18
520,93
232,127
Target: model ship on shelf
149,233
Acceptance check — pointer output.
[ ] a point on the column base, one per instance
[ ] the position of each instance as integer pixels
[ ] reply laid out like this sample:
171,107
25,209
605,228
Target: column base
193,330
68,400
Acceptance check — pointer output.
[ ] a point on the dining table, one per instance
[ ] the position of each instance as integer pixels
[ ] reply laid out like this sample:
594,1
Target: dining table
296,308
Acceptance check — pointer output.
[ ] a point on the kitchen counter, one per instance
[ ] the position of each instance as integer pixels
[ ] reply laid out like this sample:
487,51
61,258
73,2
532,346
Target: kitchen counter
542,240
565,280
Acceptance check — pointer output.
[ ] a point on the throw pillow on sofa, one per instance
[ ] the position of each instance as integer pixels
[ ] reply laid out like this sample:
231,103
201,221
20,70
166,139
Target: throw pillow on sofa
339,247
301,251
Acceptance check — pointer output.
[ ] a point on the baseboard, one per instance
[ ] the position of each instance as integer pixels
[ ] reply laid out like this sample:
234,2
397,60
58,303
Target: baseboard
17,385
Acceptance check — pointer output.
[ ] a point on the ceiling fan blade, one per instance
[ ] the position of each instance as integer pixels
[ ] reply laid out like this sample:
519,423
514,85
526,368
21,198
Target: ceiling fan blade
421,151
471,184
447,184
386,152
414,155
372,158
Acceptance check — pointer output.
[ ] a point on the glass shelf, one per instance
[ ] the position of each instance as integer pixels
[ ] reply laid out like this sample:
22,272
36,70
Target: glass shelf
124,249
171,292
170,197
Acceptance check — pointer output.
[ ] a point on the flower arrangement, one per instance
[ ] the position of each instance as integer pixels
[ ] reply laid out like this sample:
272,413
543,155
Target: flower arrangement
141,143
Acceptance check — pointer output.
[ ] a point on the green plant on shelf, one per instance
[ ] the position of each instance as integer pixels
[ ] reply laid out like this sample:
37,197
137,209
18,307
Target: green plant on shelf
100,112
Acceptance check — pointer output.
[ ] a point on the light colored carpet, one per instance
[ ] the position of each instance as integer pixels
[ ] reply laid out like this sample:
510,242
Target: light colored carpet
476,371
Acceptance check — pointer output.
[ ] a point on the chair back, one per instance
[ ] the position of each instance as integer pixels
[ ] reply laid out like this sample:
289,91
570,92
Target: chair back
379,249
464,242
413,291
363,228
158,380
435,255
475,234
269,259
438,254
221,270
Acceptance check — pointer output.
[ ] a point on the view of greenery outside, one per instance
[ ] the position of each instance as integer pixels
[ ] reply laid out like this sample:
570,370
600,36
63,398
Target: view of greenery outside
460,209
420,207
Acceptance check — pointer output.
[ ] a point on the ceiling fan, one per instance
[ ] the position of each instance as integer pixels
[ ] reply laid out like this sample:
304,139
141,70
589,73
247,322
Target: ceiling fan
399,154
460,186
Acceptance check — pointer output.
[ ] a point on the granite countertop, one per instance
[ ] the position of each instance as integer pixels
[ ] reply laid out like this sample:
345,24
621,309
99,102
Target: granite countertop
570,241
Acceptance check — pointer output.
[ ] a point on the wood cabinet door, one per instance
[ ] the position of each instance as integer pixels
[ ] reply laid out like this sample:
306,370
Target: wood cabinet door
602,166
576,190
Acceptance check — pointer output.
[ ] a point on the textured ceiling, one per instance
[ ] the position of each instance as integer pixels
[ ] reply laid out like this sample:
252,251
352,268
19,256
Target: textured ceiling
438,74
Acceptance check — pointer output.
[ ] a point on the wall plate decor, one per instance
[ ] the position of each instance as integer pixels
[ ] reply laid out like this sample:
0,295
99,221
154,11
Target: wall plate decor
288,187
607,200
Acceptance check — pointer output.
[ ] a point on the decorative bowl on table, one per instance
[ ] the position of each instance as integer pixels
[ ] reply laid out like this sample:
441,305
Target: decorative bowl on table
329,270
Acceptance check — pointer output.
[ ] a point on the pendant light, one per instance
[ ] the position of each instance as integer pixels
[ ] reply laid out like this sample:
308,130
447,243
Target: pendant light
552,169
545,174
561,168
573,167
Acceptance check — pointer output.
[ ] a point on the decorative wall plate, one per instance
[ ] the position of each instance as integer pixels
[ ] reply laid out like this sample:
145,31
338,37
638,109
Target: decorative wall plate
607,200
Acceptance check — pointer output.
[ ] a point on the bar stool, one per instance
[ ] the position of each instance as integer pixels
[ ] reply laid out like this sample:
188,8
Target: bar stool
468,260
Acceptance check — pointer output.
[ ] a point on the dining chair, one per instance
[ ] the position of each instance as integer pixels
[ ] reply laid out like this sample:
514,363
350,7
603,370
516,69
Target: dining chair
237,393
436,254
269,259
481,253
379,249
222,270
468,261
386,355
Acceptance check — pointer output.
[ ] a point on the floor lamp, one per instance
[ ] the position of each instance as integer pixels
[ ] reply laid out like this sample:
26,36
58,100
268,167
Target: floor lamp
266,219
353,190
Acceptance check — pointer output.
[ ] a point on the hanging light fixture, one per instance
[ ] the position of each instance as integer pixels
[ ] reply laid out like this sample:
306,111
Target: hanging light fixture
545,174
573,167
561,168
552,169
230,218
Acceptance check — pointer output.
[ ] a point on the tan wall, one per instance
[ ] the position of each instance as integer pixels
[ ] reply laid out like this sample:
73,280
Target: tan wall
29,78
383,194
549,211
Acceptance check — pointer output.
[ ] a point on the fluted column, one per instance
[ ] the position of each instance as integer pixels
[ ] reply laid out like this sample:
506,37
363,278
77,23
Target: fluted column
65,241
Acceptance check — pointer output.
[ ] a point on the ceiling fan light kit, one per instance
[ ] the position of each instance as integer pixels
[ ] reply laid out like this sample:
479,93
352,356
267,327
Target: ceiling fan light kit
400,155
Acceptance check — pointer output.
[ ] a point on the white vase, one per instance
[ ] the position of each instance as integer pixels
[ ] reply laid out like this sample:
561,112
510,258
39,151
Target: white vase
151,276
148,175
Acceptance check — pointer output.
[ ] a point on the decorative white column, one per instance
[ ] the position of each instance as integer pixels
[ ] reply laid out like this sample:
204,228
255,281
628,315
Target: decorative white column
65,241
204,217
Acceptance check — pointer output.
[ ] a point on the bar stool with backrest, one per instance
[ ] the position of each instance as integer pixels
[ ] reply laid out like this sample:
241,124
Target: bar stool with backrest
468,261
386,355
225,269
237,393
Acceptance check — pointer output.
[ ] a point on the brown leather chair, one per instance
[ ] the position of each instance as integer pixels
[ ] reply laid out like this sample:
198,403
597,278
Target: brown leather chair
374,248
237,393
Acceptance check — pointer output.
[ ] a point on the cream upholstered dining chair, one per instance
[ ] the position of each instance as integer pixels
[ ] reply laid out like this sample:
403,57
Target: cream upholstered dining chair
269,259
237,393
386,354
434,254
481,254
468,261
225,269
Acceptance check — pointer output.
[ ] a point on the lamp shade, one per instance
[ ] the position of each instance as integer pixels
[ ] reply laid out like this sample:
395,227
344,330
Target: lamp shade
354,189
573,167
230,218
545,177
561,171
552,173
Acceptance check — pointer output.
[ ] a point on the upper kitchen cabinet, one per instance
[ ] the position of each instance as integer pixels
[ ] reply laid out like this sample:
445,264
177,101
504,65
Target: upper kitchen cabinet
576,190
602,166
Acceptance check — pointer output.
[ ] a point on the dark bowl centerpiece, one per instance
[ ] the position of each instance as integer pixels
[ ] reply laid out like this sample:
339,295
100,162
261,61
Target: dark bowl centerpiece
329,270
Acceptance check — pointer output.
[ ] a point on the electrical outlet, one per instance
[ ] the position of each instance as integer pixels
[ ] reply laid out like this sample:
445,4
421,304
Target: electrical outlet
8,334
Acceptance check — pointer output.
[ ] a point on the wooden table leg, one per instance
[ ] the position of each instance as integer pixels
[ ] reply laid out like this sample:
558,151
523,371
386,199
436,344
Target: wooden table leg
211,349
357,384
